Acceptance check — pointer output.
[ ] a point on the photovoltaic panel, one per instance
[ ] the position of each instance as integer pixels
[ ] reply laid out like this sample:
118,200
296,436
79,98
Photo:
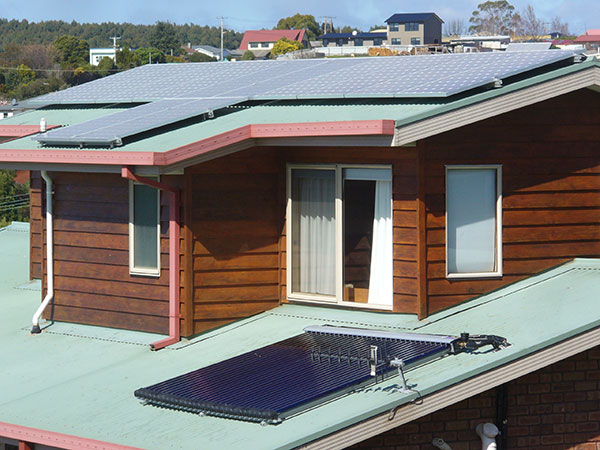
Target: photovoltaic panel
181,91
111,129
278,380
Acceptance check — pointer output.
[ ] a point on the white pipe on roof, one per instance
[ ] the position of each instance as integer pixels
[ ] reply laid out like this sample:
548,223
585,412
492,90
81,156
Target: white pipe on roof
49,255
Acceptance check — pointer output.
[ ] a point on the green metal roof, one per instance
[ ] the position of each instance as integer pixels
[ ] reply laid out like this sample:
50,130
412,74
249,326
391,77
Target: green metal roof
79,380
58,116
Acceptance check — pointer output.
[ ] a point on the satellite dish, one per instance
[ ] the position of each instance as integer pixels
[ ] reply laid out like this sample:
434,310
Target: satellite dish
354,33
13,101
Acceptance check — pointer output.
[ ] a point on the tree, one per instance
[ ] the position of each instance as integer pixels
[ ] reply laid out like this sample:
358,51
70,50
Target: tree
300,22
72,51
125,59
494,17
378,27
531,26
455,27
164,38
12,198
201,57
22,75
559,26
285,45
248,56
105,66
145,55
346,29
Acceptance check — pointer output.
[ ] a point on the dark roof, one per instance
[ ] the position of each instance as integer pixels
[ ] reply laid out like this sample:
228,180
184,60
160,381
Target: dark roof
412,17
353,36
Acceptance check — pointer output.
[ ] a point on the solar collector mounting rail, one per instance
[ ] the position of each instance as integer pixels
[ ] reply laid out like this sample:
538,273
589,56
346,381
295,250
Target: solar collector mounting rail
279,380
429,76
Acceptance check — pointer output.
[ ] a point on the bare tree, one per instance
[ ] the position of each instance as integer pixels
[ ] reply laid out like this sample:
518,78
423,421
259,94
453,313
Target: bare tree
455,27
493,17
533,27
559,26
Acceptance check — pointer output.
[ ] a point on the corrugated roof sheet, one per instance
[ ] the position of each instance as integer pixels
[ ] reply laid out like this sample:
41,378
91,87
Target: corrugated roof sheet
88,382
411,17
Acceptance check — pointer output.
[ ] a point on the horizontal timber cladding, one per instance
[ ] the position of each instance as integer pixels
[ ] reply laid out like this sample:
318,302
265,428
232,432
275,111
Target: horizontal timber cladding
550,185
91,255
35,223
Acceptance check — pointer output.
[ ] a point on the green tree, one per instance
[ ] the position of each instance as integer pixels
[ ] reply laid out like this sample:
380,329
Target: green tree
300,22
164,38
72,51
125,59
200,57
494,17
248,56
22,75
145,55
285,45
105,67
13,199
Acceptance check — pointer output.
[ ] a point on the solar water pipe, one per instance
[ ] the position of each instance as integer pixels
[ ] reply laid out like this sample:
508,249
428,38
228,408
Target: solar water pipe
49,255
174,334
487,432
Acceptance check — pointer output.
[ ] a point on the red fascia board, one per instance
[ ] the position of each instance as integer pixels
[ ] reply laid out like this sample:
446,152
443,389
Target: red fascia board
19,131
52,439
281,130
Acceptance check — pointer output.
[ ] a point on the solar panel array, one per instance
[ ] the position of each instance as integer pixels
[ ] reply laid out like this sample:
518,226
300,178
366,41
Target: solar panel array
213,86
282,379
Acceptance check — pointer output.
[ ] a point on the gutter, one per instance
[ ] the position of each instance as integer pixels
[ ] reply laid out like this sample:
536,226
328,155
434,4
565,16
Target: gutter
174,332
49,255
26,435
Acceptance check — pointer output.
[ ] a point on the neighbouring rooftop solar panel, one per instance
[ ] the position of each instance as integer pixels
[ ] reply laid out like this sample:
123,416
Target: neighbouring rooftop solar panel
282,379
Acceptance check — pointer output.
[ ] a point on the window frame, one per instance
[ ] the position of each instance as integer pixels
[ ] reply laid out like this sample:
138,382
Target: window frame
138,271
415,41
337,299
394,26
396,41
410,26
498,244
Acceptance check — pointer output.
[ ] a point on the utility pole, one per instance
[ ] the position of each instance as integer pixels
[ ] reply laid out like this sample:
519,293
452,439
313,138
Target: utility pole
222,19
327,24
115,39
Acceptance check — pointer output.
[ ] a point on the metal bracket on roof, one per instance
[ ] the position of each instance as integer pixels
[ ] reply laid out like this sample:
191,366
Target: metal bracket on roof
578,58
210,114
399,364
497,83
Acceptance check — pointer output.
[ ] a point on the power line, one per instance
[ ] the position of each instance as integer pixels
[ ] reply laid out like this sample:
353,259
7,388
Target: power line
51,70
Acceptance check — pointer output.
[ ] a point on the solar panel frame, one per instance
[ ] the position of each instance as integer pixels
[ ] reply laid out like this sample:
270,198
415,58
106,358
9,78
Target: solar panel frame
280,380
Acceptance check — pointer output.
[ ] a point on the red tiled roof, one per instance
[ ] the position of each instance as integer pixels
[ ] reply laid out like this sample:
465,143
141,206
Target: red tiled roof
270,36
588,38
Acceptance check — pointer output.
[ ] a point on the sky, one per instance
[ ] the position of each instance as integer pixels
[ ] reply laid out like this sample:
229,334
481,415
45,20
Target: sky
256,14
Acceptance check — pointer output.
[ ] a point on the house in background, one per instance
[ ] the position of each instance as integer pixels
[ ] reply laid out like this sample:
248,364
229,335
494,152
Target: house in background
590,39
288,197
354,39
96,54
260,42
414,29
212,52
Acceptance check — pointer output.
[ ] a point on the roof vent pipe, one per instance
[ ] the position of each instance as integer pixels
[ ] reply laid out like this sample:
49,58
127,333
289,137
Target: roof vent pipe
487,432
43,125
49,255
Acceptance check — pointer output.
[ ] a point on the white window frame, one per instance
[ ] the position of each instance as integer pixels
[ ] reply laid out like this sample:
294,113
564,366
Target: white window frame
138,270
498,257
339,238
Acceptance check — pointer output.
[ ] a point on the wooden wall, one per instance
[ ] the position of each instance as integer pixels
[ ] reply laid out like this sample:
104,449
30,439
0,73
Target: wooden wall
91,236
35,231
550,156
235,223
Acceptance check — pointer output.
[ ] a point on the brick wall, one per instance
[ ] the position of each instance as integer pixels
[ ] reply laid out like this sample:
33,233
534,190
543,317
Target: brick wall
555,408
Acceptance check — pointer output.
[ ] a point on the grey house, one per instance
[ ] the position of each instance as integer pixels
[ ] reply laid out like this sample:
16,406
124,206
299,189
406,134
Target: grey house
414,29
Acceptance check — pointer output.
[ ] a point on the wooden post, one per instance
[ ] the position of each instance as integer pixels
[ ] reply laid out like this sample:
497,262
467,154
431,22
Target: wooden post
421,234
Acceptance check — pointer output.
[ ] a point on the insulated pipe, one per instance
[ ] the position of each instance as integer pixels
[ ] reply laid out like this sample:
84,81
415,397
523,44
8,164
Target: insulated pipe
174,334
441,444
487,432
49,255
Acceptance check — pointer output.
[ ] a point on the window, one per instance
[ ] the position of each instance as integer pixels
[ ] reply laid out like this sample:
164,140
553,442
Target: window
473,221
411,26
358,42
415,41
394,27
396,41
265,44
377,41
341,42
340,235
144,230
325,42
253,44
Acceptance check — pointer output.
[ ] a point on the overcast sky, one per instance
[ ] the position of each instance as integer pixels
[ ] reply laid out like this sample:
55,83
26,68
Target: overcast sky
255,14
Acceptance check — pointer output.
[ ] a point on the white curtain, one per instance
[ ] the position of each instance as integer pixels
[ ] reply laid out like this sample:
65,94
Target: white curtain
316,212
381,281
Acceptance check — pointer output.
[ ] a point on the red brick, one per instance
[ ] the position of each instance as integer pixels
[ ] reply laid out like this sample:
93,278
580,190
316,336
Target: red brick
518,431
420,438
551,398
588,405
457,425
468,414
574,376
545,378
587,427
528,399
552,439
539,388
593,375
520,410
564,407
566,386
563,428
575,396
594,415
576,417
540,409
586,365
586,386
529,420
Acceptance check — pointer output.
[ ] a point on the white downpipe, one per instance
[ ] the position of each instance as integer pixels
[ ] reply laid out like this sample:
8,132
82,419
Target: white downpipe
49,255
487,432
